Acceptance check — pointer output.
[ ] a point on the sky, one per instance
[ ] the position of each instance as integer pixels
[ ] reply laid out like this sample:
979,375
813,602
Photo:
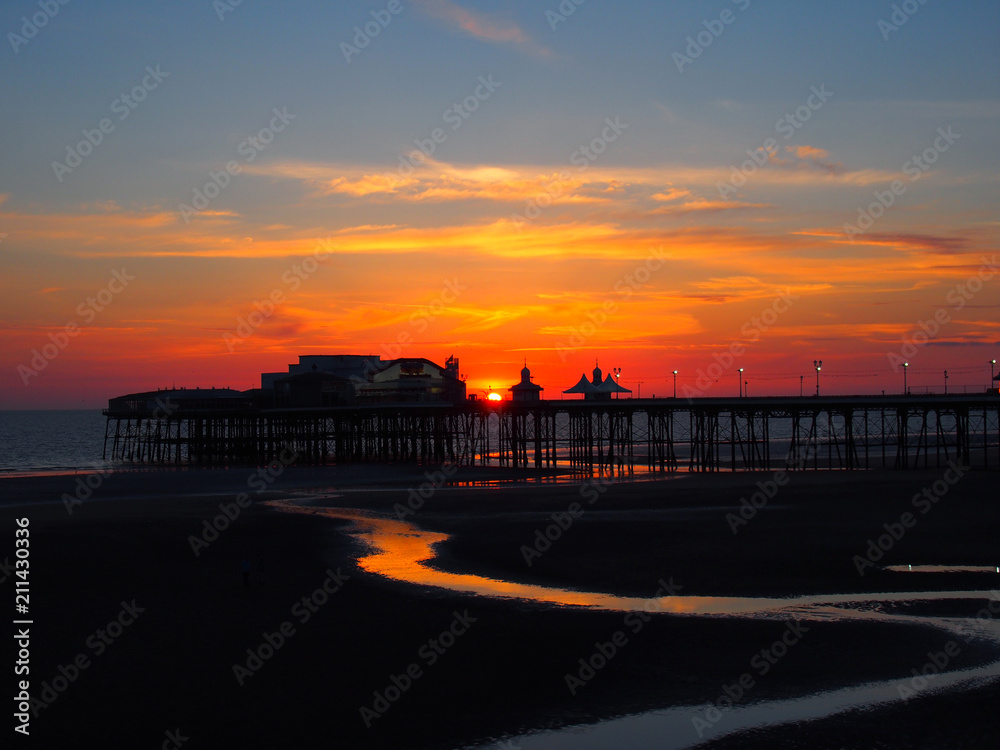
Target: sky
194,193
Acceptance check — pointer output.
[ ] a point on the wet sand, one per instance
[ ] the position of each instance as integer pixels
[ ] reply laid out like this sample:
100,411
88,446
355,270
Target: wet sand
172,669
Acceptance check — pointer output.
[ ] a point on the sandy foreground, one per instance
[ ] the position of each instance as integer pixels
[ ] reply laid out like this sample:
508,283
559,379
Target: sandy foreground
137,641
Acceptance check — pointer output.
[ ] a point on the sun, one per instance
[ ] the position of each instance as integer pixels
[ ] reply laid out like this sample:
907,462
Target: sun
495,397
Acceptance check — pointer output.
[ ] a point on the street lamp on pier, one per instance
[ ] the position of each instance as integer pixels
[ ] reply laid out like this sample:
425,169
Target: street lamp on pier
945,382
618,373
906,365
818,364
741,382
675,383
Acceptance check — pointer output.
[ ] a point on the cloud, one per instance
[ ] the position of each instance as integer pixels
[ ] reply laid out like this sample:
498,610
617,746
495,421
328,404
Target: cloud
480,25
912,241
629,191
808,152
671,194
706,206
485,320
806,157
942,244
441,182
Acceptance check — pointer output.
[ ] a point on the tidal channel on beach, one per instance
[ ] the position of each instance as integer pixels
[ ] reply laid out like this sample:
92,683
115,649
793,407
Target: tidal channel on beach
402,551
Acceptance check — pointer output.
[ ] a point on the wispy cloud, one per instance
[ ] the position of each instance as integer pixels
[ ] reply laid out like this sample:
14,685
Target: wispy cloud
806,157
438,182
942,244
481,25
707,206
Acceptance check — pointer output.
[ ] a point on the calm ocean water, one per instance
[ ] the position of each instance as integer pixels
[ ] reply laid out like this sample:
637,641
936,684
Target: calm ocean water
56,441
41,441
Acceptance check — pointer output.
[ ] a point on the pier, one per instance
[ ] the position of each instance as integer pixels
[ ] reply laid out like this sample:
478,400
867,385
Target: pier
226,428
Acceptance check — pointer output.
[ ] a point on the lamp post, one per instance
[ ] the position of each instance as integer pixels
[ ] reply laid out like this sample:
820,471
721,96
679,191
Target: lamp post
905,367
993,364
675,383
802,379
818,364
945,382
741,382
618,373
639,392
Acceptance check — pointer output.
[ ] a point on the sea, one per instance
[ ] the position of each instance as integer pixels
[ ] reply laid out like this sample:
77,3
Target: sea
44,442
50,442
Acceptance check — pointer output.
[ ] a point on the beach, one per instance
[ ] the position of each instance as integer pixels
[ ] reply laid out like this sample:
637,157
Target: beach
312,651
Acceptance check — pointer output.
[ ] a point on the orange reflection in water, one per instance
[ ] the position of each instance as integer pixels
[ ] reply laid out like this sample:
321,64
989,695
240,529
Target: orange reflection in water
401,551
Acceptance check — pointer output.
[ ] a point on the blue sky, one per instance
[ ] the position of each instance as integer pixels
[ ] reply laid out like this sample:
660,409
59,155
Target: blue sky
333,171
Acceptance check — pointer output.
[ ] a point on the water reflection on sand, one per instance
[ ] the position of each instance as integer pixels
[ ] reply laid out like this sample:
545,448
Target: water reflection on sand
402,551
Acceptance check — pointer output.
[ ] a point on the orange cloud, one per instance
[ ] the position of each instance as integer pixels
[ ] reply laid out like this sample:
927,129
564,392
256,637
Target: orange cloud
671,194
480,25
805,157
807,152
